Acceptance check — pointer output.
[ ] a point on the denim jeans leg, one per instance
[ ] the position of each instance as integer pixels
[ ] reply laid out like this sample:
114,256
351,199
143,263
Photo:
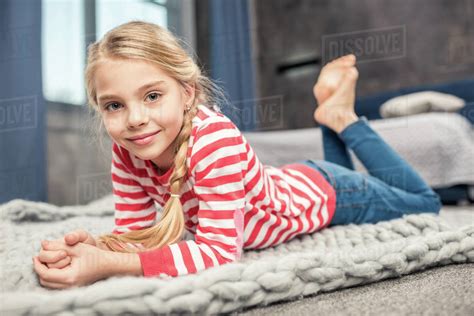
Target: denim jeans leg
380,160
362,198
334,148
391,190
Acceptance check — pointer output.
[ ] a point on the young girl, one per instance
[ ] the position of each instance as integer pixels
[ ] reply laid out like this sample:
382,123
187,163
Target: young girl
173,149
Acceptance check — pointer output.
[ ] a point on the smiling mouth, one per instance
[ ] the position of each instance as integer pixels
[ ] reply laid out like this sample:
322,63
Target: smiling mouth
144,140
143,136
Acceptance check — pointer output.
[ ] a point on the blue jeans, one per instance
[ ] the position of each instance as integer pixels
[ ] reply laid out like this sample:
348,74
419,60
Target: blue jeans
390,190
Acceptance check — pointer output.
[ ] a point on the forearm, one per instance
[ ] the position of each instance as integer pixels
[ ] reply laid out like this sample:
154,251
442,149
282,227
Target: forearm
101,245
119,263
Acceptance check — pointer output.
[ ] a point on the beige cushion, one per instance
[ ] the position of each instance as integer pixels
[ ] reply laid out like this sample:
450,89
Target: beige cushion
420,102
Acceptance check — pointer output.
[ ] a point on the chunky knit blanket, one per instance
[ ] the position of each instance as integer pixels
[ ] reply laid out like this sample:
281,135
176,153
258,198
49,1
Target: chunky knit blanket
334,258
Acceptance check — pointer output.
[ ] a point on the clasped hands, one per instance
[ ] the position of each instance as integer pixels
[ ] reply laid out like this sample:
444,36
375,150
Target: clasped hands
76,260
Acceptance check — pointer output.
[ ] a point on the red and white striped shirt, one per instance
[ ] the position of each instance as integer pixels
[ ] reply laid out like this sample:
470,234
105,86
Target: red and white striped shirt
230,200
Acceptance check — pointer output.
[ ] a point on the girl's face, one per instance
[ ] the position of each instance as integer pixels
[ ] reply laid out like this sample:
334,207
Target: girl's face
136,99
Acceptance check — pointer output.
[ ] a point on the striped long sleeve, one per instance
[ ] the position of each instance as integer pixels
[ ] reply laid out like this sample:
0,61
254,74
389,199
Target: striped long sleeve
134,208
216,163
230,200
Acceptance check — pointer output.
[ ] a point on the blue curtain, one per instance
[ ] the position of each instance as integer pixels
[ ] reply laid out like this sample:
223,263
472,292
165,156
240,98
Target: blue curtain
22,123
231,58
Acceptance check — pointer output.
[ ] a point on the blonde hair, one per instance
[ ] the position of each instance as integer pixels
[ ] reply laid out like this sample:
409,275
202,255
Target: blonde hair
152,43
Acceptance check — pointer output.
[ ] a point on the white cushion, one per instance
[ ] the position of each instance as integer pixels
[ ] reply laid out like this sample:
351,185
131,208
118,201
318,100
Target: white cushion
420,102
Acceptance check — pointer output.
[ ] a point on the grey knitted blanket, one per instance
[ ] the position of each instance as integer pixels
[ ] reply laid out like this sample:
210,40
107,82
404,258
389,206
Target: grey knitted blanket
334,258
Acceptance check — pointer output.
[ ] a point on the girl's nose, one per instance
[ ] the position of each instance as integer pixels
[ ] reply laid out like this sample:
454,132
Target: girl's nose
138,115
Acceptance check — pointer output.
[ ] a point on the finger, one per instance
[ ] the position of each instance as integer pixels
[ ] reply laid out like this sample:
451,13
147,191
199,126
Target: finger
48,275
60,264
49,244
53,285
44,244
59,245
71,238
49,256
39,267
79,235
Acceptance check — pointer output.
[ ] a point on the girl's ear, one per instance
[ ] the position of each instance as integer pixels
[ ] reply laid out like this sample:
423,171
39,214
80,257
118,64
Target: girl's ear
189,93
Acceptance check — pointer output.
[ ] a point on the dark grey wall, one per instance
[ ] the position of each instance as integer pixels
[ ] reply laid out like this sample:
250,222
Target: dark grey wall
438,46
78,165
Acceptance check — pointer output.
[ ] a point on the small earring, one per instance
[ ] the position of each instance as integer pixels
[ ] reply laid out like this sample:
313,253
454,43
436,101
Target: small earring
188,107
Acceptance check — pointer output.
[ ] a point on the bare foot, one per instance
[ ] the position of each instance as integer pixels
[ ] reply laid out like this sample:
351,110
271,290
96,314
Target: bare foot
330,77
337,111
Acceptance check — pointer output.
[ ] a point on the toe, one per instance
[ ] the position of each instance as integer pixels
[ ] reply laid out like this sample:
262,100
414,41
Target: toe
344,61
350,57
352,73
348,81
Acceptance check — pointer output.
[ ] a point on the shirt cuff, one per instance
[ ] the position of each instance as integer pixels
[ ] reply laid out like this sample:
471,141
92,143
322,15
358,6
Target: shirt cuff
157,262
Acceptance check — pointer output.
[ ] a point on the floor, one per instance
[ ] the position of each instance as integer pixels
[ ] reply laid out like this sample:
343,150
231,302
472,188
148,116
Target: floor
458,216
444,290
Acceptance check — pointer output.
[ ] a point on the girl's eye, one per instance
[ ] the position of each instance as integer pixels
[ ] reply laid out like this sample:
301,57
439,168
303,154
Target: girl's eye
153,96
111,107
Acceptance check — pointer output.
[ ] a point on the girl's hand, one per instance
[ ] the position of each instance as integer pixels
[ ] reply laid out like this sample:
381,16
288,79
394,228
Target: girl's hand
59,259
79,235
330,77
86,266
